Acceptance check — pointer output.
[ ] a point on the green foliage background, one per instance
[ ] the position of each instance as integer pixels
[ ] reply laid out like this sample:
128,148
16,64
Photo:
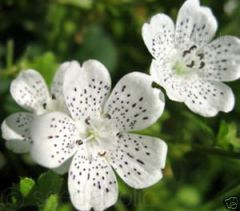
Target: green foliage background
203,165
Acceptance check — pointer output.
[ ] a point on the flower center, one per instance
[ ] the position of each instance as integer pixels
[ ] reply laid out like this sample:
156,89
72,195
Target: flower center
188,62
180,68
96,132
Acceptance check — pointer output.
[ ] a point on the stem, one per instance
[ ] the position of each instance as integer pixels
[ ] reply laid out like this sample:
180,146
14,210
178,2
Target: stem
10,52
232,190
210,150
10,69
217,151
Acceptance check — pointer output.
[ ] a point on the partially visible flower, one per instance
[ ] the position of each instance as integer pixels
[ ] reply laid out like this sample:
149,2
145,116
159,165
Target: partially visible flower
97,135
188,64
30,91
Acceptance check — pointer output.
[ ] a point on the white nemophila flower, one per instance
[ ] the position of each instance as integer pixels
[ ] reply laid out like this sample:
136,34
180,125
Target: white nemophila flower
188,64
98,136
30,91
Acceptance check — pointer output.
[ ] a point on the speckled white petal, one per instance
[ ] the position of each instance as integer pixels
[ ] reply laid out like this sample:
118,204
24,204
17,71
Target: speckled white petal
207,98
57,84
64,168
138,159
30,91
15,130
222,59
158,36
163,75
91,182
86,88
196,25
133,103
54,139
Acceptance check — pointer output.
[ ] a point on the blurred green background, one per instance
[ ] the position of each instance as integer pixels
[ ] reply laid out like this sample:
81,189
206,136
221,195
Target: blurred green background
203,165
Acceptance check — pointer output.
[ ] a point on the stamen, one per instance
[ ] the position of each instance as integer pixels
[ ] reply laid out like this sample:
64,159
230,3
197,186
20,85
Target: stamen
202,64
87,121
186,52
53,97
192,48
44,105
107,115
190,65
189,51
79,142
201,56
119,135
102,154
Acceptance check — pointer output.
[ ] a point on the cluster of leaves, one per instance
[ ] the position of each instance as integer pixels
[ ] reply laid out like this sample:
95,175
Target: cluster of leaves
203,159
42,194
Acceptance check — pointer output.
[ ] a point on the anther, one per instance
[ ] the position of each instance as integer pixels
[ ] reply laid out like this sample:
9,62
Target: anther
53,97
202,64
192,48
186,52
201,56
191,64
87,121
79,142
119,135
107,115
44,105
102,154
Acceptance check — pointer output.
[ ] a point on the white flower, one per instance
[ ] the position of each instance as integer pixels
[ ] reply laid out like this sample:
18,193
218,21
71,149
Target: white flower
30,92
188,64
97,134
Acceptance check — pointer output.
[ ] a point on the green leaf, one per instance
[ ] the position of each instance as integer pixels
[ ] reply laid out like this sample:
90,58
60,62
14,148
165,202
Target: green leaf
85,4
42,193
47,184
65,207
10,106
46,64
26,185
98,45
5,83
51,203
199,123
188,196
227,137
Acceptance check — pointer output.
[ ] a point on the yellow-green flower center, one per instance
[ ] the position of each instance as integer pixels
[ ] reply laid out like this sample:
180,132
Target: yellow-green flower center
180,68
